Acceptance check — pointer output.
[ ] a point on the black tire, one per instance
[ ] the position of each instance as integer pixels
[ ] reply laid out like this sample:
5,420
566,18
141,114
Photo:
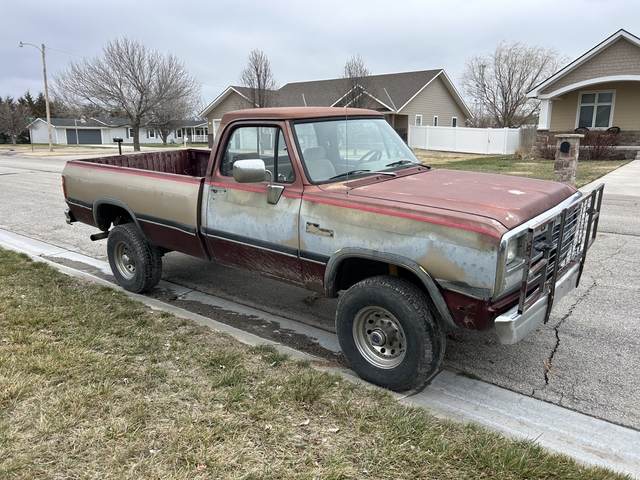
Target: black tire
135,262
390,333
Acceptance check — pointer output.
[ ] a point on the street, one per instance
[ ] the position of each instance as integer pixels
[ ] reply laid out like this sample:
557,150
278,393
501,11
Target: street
584,359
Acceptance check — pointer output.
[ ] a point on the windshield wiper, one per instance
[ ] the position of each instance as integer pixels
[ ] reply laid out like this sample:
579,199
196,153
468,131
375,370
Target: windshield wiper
352,172
399,162
356,172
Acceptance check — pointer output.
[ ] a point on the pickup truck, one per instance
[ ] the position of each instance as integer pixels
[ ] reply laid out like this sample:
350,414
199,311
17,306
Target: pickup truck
333,200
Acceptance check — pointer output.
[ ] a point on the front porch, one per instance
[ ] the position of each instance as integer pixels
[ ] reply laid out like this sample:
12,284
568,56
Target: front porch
193,134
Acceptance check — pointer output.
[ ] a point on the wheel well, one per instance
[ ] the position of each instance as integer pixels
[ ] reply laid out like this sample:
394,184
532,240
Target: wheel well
108,214
353,270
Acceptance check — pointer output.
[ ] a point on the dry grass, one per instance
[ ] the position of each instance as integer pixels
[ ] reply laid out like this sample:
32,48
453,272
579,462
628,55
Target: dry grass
588,171
42,150
433,157
94,385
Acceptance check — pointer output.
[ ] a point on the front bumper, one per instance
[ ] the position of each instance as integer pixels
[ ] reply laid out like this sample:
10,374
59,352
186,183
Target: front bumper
512,327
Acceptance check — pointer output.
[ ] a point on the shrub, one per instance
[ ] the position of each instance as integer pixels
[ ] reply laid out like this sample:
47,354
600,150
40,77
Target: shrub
545,149
597,145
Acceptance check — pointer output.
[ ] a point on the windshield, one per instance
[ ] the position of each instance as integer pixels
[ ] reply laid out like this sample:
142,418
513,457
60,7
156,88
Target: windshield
336,149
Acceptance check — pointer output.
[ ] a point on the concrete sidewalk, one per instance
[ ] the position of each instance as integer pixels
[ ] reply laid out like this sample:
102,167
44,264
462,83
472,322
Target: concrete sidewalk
623,182
587,439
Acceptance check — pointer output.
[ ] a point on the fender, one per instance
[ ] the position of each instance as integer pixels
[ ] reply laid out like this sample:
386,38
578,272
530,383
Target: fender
102,225
340,255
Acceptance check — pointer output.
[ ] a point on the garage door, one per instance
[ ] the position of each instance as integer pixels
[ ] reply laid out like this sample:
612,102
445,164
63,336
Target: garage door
85,137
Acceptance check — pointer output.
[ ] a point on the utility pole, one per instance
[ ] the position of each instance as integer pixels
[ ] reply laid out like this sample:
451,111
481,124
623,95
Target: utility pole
46,89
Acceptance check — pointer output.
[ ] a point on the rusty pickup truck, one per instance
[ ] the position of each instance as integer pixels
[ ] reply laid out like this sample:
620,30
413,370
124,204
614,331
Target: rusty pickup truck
333,200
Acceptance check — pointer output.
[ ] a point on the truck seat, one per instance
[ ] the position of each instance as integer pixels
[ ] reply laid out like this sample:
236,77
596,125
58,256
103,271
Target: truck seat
319,167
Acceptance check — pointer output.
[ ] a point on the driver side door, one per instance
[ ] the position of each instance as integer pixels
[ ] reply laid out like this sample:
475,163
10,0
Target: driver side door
240,227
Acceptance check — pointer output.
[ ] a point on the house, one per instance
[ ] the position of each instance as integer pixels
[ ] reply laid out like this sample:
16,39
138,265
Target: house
100,131
599,90
425,97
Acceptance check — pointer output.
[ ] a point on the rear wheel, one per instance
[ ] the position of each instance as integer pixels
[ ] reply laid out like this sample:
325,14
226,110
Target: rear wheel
390,333
135,262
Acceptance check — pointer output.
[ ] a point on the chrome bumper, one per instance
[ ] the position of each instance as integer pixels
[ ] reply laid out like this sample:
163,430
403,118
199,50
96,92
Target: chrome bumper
512,327
70,216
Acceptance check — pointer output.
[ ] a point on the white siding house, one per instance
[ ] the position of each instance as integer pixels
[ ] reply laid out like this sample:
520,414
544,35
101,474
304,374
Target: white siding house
69,131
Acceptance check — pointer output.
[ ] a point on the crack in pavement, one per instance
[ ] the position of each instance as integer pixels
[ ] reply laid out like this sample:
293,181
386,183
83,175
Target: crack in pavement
549,362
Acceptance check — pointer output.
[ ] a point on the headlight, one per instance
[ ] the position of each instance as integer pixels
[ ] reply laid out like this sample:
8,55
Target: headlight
515,251
512,250
513,278
512,267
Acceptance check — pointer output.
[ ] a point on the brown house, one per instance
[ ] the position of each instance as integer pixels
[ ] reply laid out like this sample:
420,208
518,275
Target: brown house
597,91
425,97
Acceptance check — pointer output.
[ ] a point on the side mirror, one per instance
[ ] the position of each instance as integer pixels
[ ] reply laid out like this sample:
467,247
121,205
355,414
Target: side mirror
248,171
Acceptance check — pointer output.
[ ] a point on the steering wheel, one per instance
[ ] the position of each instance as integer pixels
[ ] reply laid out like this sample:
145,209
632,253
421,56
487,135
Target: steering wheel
369,157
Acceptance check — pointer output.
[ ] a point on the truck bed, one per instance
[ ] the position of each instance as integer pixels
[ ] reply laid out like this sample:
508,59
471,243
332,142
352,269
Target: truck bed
191,161
160,190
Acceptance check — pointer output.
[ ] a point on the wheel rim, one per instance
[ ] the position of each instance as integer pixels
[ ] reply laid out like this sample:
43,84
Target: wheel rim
379,337
124,261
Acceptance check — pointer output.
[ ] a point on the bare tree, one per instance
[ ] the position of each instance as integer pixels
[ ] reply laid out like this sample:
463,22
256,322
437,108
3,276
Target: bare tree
13,118
130,78
499,81
257,77
358,90
242,102
168,116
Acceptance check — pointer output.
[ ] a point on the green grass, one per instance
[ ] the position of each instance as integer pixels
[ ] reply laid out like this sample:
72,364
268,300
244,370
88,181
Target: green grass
587,172
95,385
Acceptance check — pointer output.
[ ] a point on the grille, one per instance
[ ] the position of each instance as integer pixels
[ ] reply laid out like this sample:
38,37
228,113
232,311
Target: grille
556,245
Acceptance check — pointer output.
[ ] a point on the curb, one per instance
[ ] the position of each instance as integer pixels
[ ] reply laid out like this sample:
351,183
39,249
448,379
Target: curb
588,440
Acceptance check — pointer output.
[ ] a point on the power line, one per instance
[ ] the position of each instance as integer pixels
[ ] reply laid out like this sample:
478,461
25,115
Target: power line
68,53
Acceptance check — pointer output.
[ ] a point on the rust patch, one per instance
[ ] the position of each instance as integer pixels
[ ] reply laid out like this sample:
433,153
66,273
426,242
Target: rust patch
315,229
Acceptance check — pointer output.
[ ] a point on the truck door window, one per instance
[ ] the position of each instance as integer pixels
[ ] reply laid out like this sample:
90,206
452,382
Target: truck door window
264,143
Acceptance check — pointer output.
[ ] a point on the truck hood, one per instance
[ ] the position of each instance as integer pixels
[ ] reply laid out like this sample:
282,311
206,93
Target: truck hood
507,200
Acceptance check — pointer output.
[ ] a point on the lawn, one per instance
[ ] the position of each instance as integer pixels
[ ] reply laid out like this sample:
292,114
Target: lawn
587,172
95,385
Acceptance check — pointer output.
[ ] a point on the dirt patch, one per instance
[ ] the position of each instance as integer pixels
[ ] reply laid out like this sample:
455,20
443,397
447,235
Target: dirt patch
252,324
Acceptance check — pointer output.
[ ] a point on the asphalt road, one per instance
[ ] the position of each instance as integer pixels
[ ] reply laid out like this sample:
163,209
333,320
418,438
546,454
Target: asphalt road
583,359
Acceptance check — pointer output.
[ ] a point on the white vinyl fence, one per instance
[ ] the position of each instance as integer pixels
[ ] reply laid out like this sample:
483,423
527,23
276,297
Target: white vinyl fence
500,141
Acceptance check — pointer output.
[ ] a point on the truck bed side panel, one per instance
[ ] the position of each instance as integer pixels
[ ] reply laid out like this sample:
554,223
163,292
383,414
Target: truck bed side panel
166,205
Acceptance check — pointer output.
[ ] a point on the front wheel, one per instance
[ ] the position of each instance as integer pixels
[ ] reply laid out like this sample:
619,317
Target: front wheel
390,334
135,262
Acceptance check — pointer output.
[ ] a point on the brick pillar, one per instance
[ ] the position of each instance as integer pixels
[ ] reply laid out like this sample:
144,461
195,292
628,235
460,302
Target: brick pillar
568,148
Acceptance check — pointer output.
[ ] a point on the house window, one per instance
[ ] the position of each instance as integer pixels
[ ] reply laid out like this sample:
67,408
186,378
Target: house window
454,121
418,120
595,109
151,133
129,132
178,133
435,121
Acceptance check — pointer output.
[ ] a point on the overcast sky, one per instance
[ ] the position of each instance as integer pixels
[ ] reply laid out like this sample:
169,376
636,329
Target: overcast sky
304,40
